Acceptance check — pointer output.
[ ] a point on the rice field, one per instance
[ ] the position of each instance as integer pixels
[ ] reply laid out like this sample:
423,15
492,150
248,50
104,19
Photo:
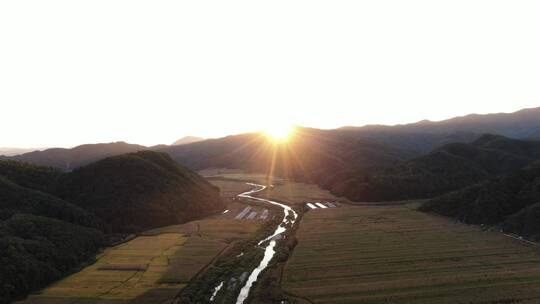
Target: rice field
156,266
300,193
152,268
121,273
232,182
394,254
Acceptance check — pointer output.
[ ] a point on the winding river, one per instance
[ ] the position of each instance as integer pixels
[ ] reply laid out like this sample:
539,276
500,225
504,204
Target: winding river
269,251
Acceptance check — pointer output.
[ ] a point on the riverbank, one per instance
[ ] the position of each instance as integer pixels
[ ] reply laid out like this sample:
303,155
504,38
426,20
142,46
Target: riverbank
232,277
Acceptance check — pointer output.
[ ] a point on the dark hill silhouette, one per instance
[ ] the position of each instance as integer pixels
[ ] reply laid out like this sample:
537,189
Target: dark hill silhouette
418,142
511,200
42,237
37,250
15,199
30,176
149,185
310,154
51,222
447,168
69,159
137,191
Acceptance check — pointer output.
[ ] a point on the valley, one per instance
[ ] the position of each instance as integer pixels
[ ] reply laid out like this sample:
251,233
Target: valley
156,265
345,253
237,276
269,152
360,215
389,253
384,253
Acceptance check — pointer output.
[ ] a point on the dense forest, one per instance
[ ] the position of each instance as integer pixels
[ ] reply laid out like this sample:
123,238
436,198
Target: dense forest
450,167
137,191
510,200
52,222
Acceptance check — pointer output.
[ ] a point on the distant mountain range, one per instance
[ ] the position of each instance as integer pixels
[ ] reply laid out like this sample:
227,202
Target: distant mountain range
51,222
371,163
6,151
423,136
187,140
366,163
311,154
69,159
349,147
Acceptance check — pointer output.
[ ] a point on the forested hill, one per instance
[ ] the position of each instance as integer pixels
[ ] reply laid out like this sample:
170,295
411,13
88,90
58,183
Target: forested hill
51,222
141,190
42,237
69,159
511,200
445,169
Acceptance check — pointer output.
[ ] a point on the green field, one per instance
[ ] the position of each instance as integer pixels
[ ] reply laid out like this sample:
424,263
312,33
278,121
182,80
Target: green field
394,254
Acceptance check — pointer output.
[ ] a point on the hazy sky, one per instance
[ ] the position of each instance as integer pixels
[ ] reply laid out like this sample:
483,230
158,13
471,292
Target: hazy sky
149,72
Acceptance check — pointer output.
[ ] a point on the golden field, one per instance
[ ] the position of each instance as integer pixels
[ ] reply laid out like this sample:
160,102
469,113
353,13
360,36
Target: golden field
394,254
231,182
152,268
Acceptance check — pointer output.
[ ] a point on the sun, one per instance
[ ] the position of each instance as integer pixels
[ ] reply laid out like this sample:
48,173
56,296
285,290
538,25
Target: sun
279,133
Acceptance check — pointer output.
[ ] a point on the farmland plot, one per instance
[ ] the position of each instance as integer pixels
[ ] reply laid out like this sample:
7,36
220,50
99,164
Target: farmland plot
152,268
232,182
393,254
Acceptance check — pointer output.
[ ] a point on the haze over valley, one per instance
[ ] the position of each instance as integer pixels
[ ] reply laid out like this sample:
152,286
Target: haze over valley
283,152
61,206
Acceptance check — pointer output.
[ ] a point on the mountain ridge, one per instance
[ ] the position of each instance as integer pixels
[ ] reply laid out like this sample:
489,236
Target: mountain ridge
69,159
187,140
508,124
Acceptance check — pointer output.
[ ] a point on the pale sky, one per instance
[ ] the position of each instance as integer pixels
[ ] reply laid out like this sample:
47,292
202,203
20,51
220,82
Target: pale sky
150,72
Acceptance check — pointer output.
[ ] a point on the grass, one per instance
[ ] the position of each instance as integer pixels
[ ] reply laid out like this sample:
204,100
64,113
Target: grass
394,254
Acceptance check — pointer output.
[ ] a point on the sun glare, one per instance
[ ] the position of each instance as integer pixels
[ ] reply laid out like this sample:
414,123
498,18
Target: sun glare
278,132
